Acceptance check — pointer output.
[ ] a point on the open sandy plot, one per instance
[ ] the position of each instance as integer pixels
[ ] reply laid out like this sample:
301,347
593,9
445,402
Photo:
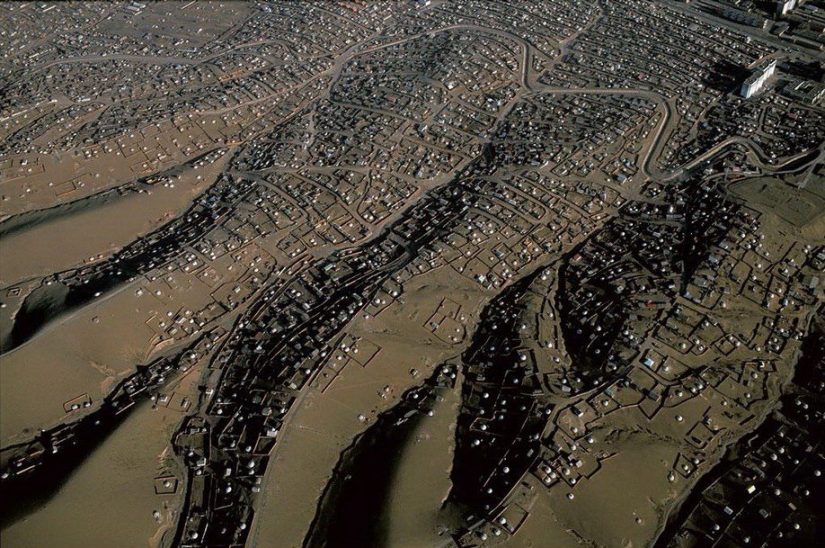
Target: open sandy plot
324,424
86,352
113,498
97,229
799,207
628,504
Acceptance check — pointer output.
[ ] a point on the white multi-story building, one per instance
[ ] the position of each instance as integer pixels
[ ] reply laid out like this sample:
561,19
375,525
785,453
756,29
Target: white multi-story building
784,6
757,79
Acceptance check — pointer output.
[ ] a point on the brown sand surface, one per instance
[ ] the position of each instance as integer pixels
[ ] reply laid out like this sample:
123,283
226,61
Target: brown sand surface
288,504
110,501
622,505
422,479
322,427
49,180
796,206
81,236
86,352
325,423
541,529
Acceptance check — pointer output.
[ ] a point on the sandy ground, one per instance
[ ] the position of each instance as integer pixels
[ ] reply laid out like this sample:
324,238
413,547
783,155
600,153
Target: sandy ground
326,422
49,180
542,529
74,356
626,496
88,351
111,499
422,480
59,244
